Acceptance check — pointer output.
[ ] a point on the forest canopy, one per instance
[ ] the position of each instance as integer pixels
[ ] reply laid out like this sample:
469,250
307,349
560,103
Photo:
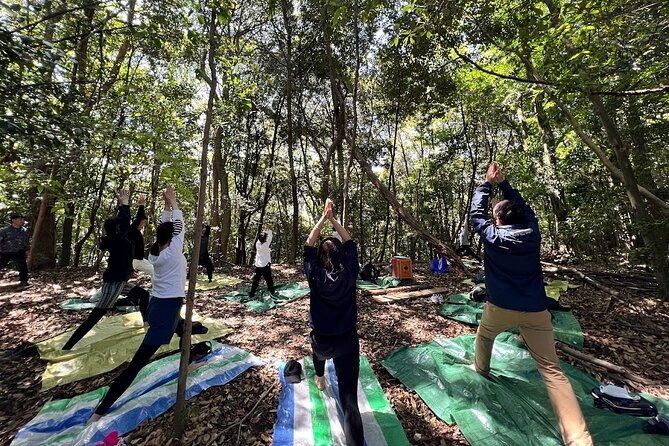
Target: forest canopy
339,99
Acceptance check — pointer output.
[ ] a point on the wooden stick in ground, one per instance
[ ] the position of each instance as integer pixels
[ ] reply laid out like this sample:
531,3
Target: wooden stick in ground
180,404
399,289
604,364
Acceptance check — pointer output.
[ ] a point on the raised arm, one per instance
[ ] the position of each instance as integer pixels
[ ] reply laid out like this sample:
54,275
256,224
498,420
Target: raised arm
329,212
141,214
316,231
177,218
268,229
123,211
343,233
479,210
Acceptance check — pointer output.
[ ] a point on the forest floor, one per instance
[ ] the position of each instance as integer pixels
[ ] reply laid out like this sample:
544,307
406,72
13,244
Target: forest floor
632,331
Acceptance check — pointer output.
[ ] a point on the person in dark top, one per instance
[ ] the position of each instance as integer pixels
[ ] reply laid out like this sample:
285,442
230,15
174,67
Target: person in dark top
332,270
205,259
14,246
516,296
119,268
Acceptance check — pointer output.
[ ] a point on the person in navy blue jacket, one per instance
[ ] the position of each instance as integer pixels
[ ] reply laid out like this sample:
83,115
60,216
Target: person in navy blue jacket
332,270
516,296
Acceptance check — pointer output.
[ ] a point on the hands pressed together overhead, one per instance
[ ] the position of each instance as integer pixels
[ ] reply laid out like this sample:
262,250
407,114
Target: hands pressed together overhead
328,211
123,197
494,174
170,198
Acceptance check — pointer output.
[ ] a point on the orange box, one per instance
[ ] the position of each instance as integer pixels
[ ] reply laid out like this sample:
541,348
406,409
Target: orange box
401,267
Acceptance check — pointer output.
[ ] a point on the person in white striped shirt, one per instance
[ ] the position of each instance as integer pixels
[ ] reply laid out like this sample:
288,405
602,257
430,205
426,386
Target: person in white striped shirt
169,279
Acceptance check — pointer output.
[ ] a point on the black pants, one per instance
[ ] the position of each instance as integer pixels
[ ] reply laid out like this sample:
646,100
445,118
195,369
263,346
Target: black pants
467,251
137,296
121,384
266,272
205,261
19,258
344,350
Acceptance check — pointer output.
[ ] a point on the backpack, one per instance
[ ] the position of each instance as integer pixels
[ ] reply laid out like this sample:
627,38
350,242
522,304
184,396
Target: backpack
658,425
617,399
440,265
477,294
369,272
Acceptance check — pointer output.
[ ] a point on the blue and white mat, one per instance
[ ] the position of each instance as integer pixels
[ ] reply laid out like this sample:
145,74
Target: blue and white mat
309,417
63,422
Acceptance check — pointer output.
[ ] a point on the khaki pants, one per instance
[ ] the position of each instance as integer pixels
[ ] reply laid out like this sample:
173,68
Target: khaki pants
537,332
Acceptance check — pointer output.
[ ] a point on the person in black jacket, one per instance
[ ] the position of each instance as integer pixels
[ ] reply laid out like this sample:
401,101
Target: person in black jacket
119,268
332,270
205,259
516,296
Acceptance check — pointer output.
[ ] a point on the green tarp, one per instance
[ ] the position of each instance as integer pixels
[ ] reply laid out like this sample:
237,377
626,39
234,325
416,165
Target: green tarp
553,287
83,304
264,300
512,408
381,282
460,308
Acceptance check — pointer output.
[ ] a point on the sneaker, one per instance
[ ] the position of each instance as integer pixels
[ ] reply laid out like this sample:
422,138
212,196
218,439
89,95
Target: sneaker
24,284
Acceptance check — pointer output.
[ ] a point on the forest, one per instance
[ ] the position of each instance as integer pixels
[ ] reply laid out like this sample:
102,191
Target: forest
258,111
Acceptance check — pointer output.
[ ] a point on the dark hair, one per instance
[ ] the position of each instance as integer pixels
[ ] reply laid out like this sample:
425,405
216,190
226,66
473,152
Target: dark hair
509,212
112,226
330,252
163,235
262,237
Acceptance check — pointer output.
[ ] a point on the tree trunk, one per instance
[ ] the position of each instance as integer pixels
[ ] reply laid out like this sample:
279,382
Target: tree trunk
43,248
286,10
655,240
68,224
94,211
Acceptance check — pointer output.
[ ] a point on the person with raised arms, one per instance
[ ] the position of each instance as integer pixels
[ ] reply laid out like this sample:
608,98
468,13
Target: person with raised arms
118,271
332,269
516,296
263,261
169,280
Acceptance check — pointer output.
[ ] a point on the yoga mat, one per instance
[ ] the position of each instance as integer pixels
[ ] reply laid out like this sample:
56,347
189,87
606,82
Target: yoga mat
217,281
381,282
307,416
264,300
113,341
460,308
511,408
153,392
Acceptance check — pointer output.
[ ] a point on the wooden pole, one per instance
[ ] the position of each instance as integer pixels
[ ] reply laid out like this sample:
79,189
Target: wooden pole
604,364
179,409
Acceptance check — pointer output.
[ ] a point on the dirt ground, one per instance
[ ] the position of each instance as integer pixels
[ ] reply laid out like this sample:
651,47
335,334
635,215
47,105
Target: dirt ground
631,330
